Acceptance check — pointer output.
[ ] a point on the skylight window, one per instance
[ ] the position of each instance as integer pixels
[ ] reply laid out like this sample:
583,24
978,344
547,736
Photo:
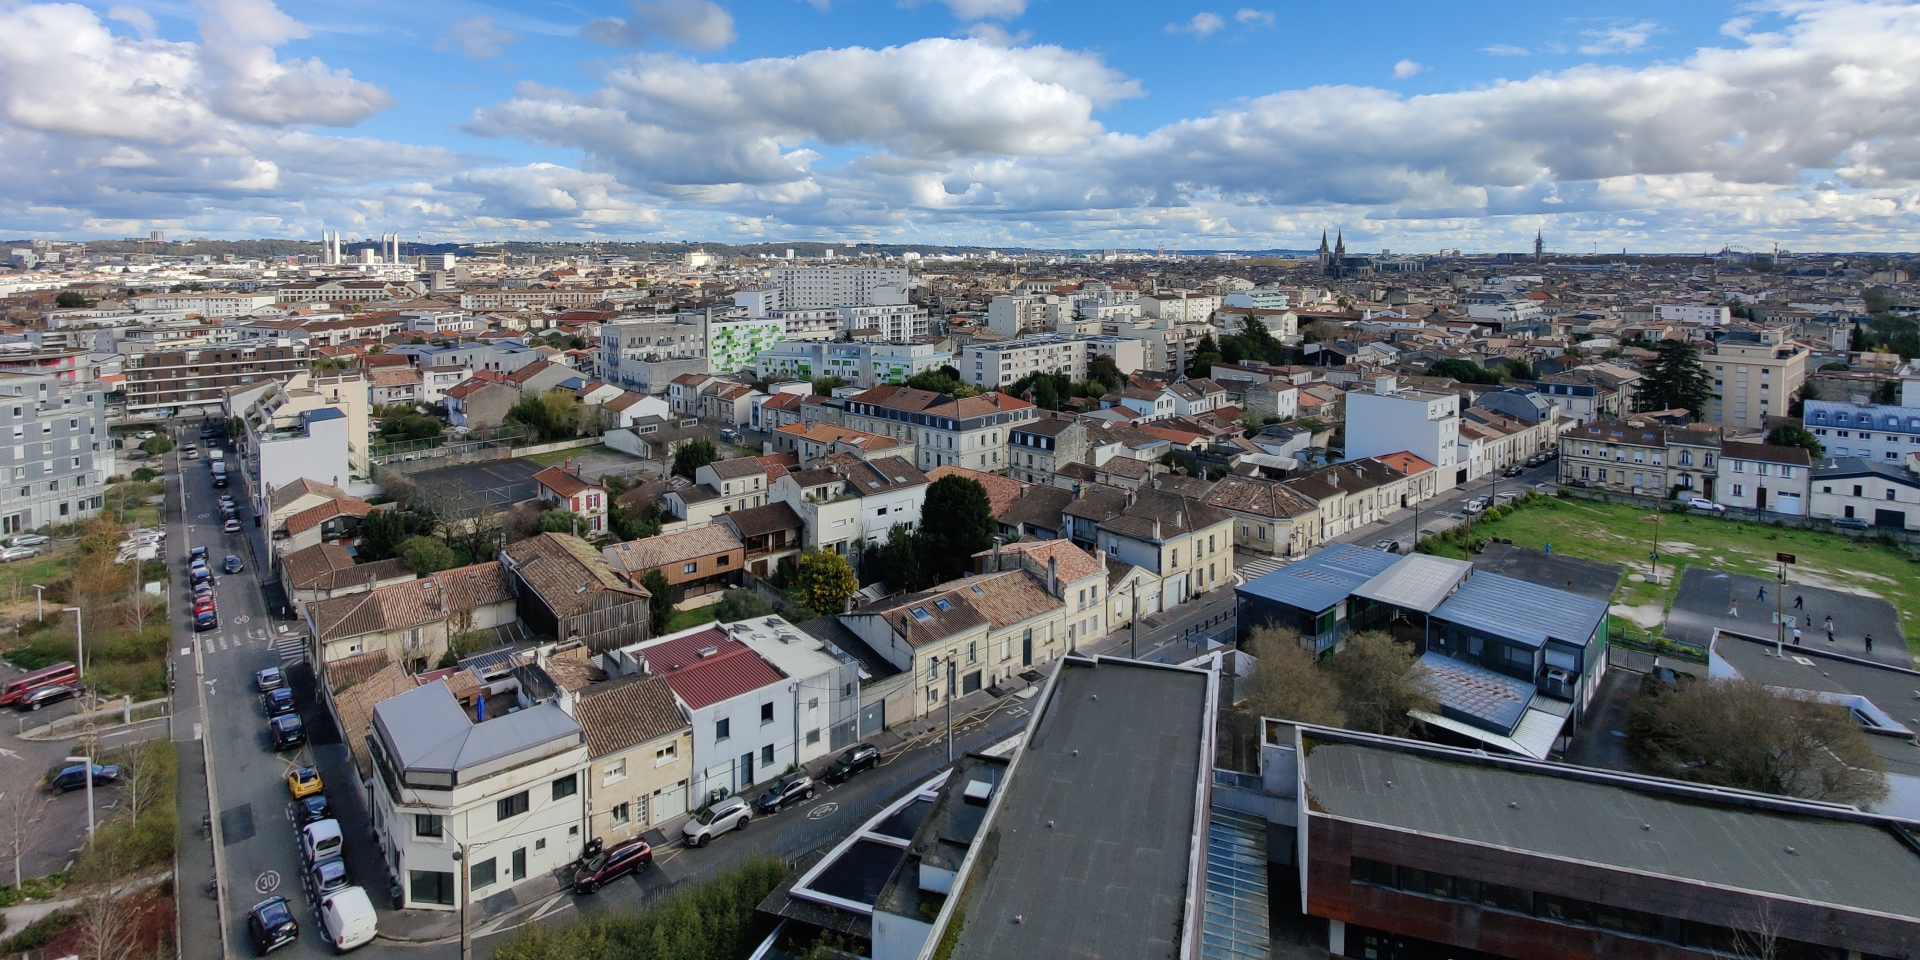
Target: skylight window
943,604
921,614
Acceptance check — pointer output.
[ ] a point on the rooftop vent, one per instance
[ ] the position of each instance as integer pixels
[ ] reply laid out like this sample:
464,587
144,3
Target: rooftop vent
706,652
978,792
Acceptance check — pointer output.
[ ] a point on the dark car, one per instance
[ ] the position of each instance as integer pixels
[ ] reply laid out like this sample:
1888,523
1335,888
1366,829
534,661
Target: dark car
326,877
74,777
271,925
860,756
785,792
1513,471
313,809
232,564
199,575
202,622
51,693
197,554
288,732
611,864
279,701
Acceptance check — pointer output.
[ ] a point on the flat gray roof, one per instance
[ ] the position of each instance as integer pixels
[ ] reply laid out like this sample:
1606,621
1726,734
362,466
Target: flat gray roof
1692,836
1416,582
1090,844
1322,579
429,732
1521,611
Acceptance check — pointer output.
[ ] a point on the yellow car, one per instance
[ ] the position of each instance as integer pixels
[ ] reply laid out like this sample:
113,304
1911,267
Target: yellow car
303,782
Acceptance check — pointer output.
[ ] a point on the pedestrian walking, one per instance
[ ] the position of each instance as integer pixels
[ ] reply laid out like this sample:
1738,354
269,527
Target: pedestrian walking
1829,634
1869,639
1799,601
1734,611
1796,636
1829,623
1762,595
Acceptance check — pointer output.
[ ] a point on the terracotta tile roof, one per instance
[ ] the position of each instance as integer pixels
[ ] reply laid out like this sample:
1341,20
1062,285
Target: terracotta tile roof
403,606
1001,491
1261,498
897,397
636,557
737,467
779,464
783,401
1764,451
564,482
997,600
566,572
1176,515
869,477
286,494
314,516
356,689
1405,462
625,712
522,375
1071,562
833,433
330,566
398,375
1038,505
731,670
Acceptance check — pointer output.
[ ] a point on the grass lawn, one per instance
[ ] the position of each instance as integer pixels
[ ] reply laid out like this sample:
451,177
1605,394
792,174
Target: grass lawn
682,619
552,457
1623,534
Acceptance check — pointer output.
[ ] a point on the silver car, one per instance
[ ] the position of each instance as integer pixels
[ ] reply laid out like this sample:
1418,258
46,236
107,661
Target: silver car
710,821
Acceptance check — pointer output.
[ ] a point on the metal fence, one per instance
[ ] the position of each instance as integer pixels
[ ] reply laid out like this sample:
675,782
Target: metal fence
475,446
1885,535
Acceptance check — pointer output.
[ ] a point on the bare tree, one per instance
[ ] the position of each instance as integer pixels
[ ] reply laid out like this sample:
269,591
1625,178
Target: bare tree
20,813
105,927
1737,733
1379,684
141,769
1762,941
1287,683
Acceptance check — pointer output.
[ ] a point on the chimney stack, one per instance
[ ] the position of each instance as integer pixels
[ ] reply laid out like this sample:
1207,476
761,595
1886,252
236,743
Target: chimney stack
996,556
1156,528
1053,576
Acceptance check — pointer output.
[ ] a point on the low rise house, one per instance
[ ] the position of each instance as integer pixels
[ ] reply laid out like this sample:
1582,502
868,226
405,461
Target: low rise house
413,621
328,570
742,709
566,592
1184,543
480,403
332,521
1884,495
1759,476
566,489
700,563
640,750
771,536
1268,516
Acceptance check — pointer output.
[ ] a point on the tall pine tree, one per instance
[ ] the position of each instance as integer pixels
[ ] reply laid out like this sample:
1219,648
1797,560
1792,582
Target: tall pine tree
1676,381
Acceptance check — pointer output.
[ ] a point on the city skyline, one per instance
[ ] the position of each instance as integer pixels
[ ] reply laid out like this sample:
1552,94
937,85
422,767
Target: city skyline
985,123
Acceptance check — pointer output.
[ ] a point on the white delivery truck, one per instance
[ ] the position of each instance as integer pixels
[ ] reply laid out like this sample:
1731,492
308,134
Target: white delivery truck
346,917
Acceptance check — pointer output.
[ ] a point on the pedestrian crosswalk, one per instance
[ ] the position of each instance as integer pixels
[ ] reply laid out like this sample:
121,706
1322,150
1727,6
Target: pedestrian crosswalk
291,649
1258,567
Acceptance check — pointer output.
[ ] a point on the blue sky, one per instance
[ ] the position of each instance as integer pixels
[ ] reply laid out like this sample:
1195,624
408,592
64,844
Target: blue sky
1042,122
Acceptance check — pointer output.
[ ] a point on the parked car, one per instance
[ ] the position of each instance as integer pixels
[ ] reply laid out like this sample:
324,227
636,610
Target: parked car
279,701
197,555
347,918
785,792
190,452
202,622
231,565
1389,545
1704,505
271,925
303,781
202,589
710,821
10,554
34,540
327,876
269,678
75,777
314,808
1850,523
860,756
52,693
611,864
203,604
1512,471
231,526
320,841
288,732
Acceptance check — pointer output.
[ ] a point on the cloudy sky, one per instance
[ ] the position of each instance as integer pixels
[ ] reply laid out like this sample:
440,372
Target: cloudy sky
1413,126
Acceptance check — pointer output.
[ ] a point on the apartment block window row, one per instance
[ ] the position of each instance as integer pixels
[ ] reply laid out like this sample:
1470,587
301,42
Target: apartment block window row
1583,913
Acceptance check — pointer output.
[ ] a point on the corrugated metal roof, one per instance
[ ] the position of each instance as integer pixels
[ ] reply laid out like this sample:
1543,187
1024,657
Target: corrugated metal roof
1416,582
1475,693
730,670
1323,579
1523,612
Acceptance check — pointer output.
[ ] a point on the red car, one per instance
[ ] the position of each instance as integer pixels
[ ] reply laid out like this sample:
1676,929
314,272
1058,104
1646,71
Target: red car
611,864
203,605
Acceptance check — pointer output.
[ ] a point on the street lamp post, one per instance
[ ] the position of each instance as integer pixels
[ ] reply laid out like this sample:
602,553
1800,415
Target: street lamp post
39,611
951,689
79,640
87,769
466,937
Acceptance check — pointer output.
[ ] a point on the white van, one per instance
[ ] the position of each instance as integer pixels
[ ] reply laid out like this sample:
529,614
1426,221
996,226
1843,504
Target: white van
346,917
216,455
320,841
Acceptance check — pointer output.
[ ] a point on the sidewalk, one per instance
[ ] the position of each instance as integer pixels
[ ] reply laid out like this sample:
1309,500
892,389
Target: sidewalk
19,916
199,915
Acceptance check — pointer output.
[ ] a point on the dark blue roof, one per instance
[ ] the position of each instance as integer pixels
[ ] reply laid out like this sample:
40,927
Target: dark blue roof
1475,694
1323,579
1526,613
324,413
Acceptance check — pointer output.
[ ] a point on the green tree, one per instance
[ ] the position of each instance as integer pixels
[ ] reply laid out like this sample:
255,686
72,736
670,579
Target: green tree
1737,733
1379,684
426,555
1794,435
381,534
1518,369
1206,353
70,300
941,381
1288,682
899,560
1101,369
826,581
1465,371
692,456
562,521
824,386
1045,395
741,604
157,444
1797,407
1676,380
957,522
660,607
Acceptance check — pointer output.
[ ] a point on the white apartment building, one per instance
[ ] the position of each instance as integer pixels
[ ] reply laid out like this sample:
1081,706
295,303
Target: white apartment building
894,322
209,305
488,771
861,364
1695,313
1392,419
827,702
1257,300
1180,307
59,457
1021,315
1756,476
1002,362
805,287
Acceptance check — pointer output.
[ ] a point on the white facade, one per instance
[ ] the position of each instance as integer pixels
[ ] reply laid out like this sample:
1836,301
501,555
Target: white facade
1180,308
1762,485
1390,420
826,699
205,304
1695,313
999,363
807,287
1023,314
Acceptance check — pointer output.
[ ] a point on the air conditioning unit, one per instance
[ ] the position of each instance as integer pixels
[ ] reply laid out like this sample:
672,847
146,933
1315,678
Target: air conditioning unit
1558,675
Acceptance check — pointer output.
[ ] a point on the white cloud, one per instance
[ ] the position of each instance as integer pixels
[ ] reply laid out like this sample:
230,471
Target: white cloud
1203,24
140,20
1506,50
981,9
1407,68
476,38
1254,18
254,84
696,24
1618,37
996,34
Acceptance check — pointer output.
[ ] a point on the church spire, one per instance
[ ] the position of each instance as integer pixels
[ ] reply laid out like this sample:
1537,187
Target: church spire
1340,244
